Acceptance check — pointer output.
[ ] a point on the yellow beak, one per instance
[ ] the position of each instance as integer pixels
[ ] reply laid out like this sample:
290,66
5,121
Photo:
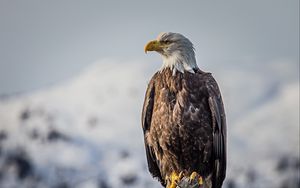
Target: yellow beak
153,45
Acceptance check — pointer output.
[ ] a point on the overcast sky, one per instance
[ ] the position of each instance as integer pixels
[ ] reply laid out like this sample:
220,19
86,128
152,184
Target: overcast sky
43,42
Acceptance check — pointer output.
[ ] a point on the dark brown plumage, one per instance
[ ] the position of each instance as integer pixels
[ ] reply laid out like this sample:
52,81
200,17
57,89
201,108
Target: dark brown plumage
184,126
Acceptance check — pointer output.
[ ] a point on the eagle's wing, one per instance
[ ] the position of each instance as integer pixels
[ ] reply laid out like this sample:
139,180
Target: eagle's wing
219,132
146,123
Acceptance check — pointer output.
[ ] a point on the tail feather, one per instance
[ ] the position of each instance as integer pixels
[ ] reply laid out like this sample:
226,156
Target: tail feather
218,175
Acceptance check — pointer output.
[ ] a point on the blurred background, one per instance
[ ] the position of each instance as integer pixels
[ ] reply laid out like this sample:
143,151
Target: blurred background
73,76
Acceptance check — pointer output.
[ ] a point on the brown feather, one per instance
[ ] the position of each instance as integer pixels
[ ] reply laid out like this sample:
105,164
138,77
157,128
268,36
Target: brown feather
179,125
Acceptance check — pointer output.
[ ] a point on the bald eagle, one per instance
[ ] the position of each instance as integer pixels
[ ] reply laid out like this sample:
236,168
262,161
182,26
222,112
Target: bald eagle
183,118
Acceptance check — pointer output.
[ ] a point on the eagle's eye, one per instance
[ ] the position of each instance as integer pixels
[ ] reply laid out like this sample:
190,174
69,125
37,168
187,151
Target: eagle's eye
167,42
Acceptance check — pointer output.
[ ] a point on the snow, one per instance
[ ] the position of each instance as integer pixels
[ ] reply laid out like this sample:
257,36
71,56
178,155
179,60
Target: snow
86,132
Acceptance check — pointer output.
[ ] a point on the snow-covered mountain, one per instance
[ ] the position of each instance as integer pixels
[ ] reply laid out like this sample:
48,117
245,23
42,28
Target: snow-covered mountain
86,132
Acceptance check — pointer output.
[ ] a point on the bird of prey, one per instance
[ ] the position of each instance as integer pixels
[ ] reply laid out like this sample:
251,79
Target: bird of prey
183,118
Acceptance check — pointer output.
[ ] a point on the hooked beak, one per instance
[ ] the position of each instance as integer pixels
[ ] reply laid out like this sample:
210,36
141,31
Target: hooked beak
153,45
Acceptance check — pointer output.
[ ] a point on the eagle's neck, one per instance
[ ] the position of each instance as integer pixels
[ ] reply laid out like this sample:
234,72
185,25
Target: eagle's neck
179,61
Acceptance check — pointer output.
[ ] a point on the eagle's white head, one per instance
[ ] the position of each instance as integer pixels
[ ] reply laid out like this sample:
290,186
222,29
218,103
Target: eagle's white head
176,50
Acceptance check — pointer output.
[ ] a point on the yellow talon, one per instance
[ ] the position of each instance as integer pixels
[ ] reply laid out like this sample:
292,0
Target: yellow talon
174,179
200,180
195,175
